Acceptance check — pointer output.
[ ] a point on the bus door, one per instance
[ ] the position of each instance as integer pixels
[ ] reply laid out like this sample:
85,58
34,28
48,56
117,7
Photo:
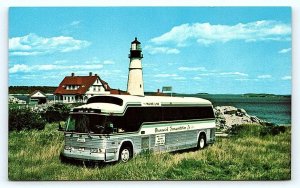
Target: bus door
145,143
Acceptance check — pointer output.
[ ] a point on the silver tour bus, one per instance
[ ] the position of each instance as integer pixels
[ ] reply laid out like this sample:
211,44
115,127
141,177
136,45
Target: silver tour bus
117,127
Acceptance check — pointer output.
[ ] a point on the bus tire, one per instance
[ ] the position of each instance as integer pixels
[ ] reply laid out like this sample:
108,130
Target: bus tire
202,141
125,154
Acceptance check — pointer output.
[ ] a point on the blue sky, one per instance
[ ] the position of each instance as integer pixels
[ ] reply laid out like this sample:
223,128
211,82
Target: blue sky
193,49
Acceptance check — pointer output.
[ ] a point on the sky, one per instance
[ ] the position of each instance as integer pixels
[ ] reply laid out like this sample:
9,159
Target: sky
217,50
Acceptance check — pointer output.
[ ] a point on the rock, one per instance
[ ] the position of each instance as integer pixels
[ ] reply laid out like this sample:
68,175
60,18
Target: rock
228,116
14,100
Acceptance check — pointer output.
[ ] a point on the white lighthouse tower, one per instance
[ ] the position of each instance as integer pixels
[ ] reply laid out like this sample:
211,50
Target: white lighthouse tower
135,84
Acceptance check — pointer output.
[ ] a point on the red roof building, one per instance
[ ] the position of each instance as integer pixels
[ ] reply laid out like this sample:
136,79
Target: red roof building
75,89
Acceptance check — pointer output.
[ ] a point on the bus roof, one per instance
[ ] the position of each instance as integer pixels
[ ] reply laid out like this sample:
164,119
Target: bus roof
161,99
118,103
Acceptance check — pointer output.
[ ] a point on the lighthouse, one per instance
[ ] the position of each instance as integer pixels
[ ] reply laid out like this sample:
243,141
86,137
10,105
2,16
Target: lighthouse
135,84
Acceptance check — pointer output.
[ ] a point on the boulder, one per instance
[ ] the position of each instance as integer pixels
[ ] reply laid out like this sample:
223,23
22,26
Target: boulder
227,116
14,100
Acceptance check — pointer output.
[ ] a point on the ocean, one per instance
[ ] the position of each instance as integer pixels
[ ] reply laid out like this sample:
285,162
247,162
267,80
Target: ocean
273,108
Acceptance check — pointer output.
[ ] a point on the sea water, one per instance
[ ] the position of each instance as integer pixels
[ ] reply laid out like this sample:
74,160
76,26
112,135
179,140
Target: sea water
274,108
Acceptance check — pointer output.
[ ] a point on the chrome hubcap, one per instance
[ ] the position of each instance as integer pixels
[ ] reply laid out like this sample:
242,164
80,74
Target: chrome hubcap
201,143
125,155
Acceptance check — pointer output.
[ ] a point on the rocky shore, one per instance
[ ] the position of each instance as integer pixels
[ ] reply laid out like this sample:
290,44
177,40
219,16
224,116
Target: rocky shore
14,100
229,116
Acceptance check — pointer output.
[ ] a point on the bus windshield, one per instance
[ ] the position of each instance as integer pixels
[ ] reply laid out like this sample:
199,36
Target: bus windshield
89,123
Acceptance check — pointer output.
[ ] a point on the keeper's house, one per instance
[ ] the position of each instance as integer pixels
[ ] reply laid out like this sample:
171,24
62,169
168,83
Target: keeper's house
77,89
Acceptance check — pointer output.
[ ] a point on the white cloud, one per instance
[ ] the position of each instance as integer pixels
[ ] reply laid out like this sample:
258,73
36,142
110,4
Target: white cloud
33,44
161,50
242,79
197,78
95,60
207,74
19,68
76,22
285,50
165,75
214,73
60,62
48,67
233,74
24,53
206,33
265,76
247,79
158,81
108,62
286,78
191,68
179,78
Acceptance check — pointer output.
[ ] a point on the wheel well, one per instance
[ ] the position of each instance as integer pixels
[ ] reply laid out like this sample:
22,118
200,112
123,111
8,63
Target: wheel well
124,145
127,144
202,134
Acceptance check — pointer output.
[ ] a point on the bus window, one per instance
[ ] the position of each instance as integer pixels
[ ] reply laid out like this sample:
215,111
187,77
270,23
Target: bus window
90,123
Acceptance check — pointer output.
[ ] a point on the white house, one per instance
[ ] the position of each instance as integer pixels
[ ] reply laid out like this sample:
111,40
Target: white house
37,97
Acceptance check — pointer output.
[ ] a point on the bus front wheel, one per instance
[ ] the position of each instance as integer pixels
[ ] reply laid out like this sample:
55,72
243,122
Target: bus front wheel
125,154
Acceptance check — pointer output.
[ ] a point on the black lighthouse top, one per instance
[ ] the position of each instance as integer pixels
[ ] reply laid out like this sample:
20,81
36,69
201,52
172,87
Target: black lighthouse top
135,41
136,49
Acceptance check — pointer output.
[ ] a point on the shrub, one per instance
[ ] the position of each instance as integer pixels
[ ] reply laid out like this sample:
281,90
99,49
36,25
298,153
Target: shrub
25,119
57,112
272,130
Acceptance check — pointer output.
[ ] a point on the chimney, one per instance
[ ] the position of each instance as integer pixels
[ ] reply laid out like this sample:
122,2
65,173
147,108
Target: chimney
96,74
91,74
72,74
158,90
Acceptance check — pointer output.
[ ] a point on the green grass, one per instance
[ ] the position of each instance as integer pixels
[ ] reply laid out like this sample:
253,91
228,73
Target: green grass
34,155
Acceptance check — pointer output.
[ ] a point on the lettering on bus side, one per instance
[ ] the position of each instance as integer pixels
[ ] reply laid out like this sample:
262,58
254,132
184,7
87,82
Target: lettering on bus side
164,129
151,104
172,128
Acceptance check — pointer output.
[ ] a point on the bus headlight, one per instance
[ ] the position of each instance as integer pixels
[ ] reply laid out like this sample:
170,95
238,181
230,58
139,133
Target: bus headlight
68,148
97,150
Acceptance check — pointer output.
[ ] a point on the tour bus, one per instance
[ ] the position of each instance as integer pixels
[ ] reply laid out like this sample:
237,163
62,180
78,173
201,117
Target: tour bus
117,127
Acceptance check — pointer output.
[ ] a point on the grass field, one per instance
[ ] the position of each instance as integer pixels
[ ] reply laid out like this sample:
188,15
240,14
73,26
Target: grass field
34,155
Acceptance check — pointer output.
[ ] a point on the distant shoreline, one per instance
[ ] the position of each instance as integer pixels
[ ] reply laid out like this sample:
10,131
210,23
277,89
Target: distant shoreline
18,90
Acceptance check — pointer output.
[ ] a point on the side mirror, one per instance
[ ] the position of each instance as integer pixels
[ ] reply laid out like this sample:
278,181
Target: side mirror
61,126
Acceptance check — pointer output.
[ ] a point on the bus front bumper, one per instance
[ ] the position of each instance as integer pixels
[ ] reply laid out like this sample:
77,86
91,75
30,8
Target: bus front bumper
86,156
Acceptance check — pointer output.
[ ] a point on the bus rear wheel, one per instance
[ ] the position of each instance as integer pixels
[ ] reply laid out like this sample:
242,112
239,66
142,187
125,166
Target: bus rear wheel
202,141
125,154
